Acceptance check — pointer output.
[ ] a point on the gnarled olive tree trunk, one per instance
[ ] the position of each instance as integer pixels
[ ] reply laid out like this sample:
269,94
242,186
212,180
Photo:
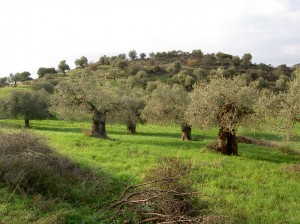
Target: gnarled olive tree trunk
99,122
186,132
26,119
131,127
227,141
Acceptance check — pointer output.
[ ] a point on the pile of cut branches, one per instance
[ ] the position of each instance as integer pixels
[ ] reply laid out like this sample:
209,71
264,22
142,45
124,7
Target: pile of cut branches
165,196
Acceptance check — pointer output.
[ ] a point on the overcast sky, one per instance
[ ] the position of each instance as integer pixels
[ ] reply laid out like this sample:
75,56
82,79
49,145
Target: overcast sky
40,33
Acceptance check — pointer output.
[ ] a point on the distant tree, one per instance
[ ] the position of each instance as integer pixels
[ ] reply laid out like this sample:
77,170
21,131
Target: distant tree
142,56
246,60
81,62
83,98
26,104
15,78
167,105
122,56
63,66
197,53
43,71
264,67
132,54
24,76
3,81
130,102
104,60
282,70
286,106
223,102
152,55
279,112
235,61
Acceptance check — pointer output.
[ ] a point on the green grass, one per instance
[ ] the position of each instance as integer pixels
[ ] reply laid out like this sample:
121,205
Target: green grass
7,89
255,187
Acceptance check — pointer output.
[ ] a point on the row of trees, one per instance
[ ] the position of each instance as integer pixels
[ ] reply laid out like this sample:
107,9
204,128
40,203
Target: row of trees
226,103
14,78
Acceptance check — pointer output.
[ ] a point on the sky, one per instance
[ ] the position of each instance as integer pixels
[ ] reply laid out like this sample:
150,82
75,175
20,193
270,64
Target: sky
41,33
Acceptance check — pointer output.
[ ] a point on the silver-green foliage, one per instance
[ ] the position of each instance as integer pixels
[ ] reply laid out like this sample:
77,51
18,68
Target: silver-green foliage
166,104
26,104
210,103
76,98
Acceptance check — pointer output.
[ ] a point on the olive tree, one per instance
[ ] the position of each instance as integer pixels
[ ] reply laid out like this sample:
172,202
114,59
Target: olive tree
26,104
85,98
43,71
225,103
143,56
81,62
63,66
130,103
132,54
167,104
3,81
281,111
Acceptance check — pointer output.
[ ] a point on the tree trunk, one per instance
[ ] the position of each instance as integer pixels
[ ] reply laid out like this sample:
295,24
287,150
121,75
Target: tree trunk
99,121
131,128
186,133
227,142
26,122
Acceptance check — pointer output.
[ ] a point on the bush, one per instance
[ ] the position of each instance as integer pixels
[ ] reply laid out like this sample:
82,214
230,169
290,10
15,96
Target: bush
28,165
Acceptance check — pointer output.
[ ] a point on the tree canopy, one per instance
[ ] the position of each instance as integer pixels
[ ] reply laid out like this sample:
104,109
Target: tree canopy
225,103
43,71
167,104
26,104
83,99
63,66
81,62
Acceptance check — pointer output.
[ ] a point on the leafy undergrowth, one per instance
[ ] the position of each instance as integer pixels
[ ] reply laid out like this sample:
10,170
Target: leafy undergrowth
262,185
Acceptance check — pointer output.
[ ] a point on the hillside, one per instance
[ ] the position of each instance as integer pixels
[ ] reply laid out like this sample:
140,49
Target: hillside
184,68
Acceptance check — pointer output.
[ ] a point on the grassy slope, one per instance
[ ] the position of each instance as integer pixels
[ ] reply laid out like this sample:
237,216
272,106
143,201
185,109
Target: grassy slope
7,89
252,188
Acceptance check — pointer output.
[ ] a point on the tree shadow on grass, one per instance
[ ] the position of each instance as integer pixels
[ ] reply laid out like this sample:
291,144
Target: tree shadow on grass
57,180
56,128
266,154
145,134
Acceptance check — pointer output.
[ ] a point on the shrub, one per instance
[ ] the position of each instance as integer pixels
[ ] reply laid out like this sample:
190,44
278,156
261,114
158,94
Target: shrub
28,165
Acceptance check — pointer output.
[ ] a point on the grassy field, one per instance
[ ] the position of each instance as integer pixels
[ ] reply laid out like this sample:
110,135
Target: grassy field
259,186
